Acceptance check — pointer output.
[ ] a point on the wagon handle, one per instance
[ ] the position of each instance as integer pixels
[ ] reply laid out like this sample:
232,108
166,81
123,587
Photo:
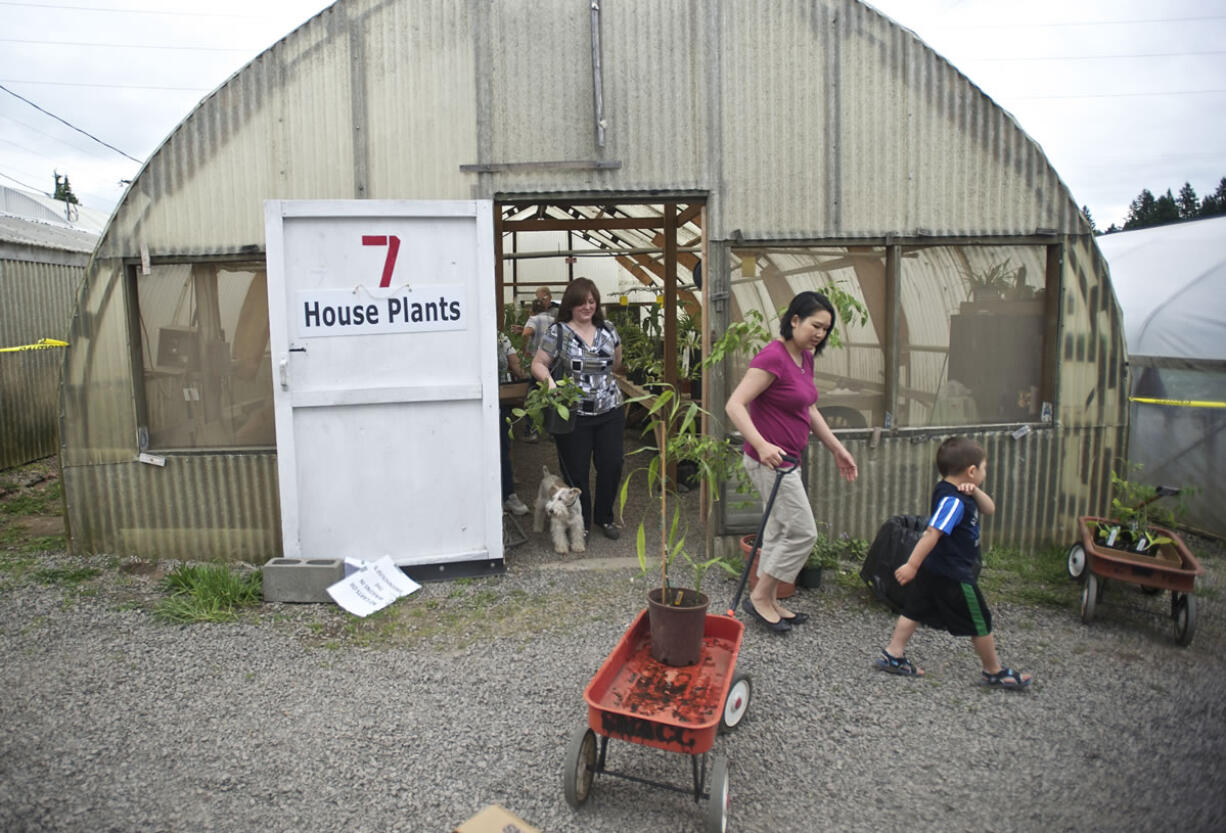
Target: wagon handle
793,464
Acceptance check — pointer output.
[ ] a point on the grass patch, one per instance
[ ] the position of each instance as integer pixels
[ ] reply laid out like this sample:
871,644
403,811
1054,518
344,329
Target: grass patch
207,593
1027,577
65,576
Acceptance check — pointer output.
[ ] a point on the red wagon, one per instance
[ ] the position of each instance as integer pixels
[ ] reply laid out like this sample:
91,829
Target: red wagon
1171,567
636,698
681,709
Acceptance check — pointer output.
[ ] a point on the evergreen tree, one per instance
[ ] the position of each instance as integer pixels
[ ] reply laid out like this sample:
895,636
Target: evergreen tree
1085,212
1189,207
1166,210
63,190
1141,210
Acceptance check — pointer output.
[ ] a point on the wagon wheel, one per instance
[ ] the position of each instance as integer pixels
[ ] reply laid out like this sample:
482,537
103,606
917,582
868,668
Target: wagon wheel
715,819
737,703
1089,597
580,766
1076,561
1183,611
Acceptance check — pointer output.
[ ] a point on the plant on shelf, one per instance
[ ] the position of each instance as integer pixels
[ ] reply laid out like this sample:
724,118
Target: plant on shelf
994,282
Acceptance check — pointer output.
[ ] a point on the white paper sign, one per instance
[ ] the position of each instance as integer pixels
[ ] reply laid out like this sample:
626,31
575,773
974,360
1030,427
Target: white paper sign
372,588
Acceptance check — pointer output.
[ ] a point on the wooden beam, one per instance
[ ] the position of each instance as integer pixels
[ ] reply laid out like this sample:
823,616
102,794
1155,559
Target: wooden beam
555,224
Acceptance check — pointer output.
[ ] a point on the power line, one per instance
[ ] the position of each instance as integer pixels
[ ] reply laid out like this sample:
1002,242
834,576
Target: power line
104,86
1020,24
1097,57
22,184
133,11
70,124
1110,95
128,45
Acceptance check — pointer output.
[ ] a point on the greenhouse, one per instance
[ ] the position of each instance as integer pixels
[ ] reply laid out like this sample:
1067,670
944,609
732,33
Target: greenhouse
701,162
1170,282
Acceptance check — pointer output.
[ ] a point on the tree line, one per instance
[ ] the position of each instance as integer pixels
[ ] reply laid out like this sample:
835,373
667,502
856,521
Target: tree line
1147,210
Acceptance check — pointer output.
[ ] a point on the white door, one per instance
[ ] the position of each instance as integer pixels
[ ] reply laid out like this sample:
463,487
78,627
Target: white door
384,345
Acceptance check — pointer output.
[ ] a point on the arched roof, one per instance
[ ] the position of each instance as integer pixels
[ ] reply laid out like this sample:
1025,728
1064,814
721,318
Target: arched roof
799,119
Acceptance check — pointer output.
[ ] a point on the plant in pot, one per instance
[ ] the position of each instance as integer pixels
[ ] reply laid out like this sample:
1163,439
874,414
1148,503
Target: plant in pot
1137,523
677,614
543,403
823,556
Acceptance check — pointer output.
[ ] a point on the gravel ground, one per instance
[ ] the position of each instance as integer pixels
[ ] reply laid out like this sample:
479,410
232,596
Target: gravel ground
297,719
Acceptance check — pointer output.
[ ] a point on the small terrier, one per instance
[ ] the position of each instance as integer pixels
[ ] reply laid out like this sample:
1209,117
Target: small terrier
561,504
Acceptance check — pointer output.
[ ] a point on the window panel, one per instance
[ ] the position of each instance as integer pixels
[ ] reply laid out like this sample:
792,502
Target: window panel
206,367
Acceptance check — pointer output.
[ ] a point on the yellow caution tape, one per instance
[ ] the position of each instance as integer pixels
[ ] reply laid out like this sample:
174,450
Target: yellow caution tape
1179,403
42,344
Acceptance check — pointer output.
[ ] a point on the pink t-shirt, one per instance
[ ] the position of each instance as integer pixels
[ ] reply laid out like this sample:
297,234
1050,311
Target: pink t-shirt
781,412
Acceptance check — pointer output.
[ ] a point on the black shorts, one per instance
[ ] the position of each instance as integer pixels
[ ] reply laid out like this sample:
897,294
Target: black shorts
948,604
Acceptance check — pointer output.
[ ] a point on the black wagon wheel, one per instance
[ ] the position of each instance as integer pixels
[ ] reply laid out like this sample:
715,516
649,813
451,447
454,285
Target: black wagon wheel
736,703
1183,611
580,766
715,817
1076,561
1089,597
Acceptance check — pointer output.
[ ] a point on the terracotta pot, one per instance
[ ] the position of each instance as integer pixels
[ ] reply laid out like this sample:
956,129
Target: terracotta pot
677,626
785,588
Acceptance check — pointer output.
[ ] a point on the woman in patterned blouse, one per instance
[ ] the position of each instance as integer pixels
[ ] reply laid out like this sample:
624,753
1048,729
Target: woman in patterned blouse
591,353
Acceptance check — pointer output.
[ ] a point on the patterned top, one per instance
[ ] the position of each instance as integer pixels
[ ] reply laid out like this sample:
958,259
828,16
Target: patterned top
589,368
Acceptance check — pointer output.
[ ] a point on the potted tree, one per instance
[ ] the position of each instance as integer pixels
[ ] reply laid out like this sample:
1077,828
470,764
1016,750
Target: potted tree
677,614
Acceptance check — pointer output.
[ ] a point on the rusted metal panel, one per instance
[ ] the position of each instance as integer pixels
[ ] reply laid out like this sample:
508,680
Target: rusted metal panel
36,302
200,507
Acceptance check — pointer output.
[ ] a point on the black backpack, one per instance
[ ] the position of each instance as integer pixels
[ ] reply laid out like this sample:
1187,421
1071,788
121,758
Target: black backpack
890,549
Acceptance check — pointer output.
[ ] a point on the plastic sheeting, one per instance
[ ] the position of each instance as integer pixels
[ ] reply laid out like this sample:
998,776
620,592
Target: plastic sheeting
1171,286
1169,281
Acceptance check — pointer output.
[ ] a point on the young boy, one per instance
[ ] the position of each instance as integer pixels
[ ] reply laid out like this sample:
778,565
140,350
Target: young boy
942,567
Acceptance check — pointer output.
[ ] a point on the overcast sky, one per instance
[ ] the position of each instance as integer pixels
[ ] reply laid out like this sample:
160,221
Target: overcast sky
1121,95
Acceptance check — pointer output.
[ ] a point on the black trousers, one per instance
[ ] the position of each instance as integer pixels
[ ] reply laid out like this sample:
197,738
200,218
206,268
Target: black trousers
596,440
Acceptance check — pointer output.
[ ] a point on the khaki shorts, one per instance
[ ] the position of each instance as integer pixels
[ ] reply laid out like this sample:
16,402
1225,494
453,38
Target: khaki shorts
790,530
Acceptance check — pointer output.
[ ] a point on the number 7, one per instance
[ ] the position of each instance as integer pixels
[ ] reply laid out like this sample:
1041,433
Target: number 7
393,247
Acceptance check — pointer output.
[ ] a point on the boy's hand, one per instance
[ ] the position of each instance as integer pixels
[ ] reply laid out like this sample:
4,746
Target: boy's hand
904,573
967,488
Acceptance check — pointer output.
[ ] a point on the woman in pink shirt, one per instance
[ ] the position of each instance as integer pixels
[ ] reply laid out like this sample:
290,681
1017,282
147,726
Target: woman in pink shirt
775,409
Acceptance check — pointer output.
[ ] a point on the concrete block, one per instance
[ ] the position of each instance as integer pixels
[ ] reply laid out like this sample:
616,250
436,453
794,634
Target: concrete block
301,579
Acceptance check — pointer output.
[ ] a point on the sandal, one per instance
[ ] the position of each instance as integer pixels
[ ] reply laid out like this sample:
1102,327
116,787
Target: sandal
1006,677
897,665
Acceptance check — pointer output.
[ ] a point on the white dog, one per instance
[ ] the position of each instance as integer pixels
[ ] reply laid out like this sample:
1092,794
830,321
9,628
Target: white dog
561,504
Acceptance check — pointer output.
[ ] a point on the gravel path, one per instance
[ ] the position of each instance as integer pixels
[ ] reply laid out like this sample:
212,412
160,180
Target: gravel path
298,719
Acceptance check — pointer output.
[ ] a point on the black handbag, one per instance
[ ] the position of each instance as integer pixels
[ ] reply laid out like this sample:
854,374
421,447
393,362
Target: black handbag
554,422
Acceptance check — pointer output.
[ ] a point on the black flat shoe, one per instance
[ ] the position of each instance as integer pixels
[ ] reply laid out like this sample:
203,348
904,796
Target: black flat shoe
796,619
774,627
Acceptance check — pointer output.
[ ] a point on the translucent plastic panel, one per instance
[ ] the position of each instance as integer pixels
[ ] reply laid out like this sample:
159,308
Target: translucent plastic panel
206,368
971,335
850,374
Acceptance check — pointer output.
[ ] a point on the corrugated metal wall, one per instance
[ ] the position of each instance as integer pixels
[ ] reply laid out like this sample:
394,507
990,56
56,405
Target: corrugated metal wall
803,120
36,301
199,507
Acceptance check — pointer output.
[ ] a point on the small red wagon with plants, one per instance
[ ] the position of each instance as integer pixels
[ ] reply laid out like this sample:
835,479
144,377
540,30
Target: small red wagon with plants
1131,547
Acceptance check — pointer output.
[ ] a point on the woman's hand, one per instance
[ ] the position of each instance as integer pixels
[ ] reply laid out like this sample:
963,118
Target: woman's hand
846,464
770,455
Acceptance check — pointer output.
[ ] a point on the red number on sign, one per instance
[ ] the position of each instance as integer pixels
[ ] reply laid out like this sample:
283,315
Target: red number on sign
393,247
